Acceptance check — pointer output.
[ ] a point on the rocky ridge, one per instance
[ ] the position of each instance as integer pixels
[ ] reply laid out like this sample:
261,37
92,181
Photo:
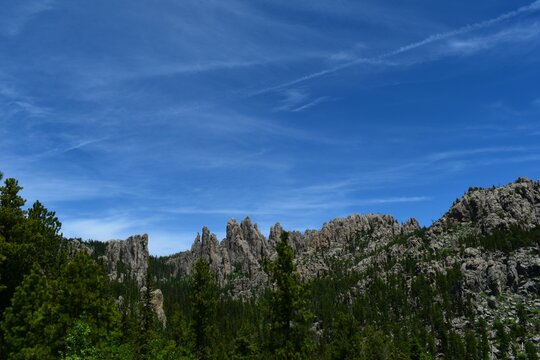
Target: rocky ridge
371,239
127,258
495,280
366,240
238,260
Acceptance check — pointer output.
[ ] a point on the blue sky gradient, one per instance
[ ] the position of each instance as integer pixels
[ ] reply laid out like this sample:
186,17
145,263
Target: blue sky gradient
133,116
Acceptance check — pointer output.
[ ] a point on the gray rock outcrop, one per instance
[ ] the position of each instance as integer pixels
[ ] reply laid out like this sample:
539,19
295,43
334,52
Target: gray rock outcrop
238,259
156,300
127,258
497,208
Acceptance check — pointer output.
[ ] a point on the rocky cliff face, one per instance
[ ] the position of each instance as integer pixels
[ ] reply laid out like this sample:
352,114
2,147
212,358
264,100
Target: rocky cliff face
127,258
482,236
495,280
238,259
365,242
498,208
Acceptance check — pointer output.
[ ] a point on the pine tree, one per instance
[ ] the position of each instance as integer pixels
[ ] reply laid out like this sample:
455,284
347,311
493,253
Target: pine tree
14,258
43,309
78,345
28,334
289,314
10,201
502,338
146,320
83,289
244,347
484,341
26,237
204,305
530,350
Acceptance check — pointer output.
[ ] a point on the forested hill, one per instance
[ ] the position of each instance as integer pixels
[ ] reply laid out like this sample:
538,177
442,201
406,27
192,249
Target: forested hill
361,287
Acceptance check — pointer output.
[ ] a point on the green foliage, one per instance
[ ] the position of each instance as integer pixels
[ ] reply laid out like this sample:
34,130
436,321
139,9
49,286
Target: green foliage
26,237
204,300
63,307
146,321
9,197
530,350
289,314
244,347
26,328
43,309
46,221
99,247
77,340
506,240
503,340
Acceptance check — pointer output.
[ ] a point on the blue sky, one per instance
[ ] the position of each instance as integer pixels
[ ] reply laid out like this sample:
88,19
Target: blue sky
134,116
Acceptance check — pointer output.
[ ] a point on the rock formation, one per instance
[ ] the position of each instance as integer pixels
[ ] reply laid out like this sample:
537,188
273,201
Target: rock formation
495,281
238,259
127,258
156,300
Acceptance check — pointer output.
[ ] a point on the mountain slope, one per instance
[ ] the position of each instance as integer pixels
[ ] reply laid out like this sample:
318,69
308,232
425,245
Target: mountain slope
478,264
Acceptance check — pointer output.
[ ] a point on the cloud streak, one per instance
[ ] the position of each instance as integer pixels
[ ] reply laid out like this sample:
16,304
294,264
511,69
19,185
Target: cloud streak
382,58
288,208
104,228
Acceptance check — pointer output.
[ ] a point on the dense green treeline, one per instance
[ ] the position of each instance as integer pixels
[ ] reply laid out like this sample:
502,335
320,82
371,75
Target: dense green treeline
58,305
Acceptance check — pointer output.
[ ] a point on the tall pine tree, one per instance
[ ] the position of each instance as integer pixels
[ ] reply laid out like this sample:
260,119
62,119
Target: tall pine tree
204,299
289,314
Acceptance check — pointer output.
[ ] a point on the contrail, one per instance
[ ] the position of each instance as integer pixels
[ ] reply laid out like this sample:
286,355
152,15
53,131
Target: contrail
380,59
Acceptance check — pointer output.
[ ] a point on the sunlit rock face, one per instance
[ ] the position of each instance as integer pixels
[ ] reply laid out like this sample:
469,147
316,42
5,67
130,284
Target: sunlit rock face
127,258
381,241
496,208
238,260
375,245
156,301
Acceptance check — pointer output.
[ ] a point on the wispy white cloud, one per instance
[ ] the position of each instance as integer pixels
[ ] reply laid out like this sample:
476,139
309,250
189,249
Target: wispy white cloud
228,123
470,45
48,189
394,200
535,6
13,102
382,58
297,100
292,98
31,109
314,75
452,154
83,143
103,228
214,159
422,169
439,164
163,243
310,104
16,15
315,202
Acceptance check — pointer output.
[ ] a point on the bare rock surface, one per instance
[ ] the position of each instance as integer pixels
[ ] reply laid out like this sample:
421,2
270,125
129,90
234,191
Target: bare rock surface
131,255
156,300
378,246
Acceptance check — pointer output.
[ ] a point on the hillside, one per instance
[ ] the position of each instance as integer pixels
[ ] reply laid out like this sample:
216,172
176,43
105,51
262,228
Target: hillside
481,260
361,287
